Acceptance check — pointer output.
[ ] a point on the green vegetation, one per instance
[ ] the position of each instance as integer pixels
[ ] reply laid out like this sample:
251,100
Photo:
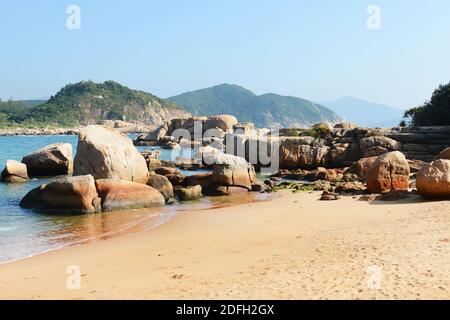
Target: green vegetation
83,103
435,112
267,110
301,187
318,131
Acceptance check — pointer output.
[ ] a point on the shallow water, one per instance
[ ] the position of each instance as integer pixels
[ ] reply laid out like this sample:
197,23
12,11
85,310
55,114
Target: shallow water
24,233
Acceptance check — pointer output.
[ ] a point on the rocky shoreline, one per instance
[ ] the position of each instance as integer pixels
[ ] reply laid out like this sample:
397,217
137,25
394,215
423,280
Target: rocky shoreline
110,174
38,132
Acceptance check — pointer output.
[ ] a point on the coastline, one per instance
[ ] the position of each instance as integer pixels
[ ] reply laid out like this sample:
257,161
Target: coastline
292,247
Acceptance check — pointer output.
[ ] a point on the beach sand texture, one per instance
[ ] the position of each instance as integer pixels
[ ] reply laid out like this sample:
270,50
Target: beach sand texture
292,247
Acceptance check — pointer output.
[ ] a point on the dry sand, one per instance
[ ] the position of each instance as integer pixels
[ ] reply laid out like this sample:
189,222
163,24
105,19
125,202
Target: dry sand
293,247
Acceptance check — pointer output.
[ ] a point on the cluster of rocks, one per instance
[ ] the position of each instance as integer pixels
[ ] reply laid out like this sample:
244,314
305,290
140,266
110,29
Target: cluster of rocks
388,176
109,174
198,131
53,160
341,146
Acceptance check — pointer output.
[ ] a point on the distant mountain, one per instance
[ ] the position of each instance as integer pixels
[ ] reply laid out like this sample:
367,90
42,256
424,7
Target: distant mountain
88,103
267,110
366,113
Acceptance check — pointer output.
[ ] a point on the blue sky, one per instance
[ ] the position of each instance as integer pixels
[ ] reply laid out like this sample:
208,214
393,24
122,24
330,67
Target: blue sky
315,49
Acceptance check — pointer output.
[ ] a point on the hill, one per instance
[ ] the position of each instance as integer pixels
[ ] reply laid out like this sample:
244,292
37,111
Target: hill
88,102
366,113
267,110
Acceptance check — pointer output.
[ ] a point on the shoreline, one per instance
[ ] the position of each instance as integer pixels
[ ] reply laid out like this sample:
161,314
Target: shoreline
291,247
154,218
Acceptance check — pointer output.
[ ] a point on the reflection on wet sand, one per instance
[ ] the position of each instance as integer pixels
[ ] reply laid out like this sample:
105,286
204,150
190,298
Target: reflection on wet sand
104,226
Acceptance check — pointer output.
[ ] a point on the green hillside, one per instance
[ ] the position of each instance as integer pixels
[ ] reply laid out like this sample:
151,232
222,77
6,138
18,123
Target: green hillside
86,103
267,110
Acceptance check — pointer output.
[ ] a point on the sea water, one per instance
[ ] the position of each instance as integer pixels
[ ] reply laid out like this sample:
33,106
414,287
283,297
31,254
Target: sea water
24,232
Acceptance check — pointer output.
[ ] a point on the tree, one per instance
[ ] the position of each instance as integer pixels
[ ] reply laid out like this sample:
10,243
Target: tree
435,112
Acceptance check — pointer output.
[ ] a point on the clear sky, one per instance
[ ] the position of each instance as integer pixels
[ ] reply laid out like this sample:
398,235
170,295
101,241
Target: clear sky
315,49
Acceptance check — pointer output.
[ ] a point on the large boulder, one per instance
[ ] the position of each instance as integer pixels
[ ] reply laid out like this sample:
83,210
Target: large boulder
303,152
52,160
71,195
158,134
120,195
223,122
108,154
229,170
433,180
389,172
162,184
360,168
14,172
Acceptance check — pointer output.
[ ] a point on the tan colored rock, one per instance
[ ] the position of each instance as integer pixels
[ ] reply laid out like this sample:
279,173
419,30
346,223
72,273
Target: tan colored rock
120,195
162,184
108,154
389,172
202,179
362,166
14,172
433,180
189,193
377,145
224,122
71,195
229,170
52,160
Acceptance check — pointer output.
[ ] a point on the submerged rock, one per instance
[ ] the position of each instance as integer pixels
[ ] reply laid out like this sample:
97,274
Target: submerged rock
71,195
108,154
389,172
52,160
14,172
117,195
433,180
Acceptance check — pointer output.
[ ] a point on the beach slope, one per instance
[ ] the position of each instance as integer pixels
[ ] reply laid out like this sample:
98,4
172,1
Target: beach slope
292,247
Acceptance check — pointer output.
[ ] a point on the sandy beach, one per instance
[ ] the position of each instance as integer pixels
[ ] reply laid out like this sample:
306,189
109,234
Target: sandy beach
292,247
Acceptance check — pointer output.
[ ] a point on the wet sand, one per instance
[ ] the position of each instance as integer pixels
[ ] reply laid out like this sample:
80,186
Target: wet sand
292,247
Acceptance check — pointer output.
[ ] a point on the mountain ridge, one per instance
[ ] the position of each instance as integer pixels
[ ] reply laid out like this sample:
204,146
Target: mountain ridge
87,102
265,110
365,113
